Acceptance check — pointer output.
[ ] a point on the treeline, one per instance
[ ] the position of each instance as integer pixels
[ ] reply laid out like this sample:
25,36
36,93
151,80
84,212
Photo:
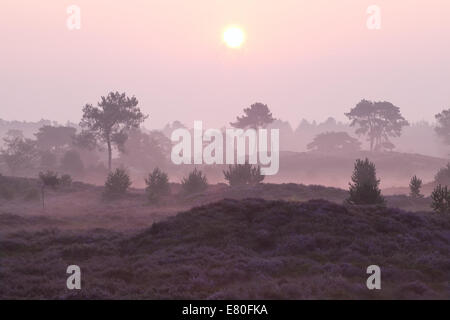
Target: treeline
110,134
58,148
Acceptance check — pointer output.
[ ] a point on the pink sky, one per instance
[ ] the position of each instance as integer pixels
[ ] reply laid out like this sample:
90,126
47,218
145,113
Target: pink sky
305,59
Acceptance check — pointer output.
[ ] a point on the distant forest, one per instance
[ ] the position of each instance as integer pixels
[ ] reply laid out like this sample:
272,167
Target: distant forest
418,137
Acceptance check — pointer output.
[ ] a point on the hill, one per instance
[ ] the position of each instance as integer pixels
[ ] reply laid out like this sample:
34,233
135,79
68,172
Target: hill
242,249
394,169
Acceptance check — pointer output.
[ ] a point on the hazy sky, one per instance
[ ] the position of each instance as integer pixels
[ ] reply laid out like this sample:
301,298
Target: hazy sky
304,58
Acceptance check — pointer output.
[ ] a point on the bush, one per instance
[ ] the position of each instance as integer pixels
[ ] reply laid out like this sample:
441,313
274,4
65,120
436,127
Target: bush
414,186
195,182
157,185
440,198
117,183
49,179
241,174
364,189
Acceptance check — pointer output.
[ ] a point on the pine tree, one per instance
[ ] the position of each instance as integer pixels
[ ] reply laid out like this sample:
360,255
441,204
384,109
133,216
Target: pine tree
440,198
157,185
365,187
414,186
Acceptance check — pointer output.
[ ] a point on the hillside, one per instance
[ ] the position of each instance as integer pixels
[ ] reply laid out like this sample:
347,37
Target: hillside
242,249
82,205
394,169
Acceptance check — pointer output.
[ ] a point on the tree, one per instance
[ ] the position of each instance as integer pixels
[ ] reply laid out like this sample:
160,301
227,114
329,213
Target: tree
440,199
170,127
365,187
47,179
14,133
157,185
241,174
117,183
414,186
443,125
378,120
334,142
195,182
48,159
109,123
443,175
65,180
71,162
255,117
87,140
20,154
145,151
55,139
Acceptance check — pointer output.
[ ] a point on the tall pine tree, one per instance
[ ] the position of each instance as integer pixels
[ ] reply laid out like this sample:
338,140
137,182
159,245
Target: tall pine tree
364,188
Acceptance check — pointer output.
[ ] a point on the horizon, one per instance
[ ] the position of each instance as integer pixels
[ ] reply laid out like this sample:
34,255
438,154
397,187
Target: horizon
293,127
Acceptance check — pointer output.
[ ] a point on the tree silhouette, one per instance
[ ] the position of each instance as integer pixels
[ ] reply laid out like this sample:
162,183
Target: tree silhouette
55,139
333,142
117,183
364,189
19,154
440,199
414,186
242,174
255,117
443,175
71,162
14,133
443,125
195,182
157,185
47,179
145,151
377,120
109,123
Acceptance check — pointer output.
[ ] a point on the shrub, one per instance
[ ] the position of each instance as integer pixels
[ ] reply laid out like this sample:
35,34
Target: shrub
440,199
241,174
195,182
48,179
364,189
117,183
414,186
157,185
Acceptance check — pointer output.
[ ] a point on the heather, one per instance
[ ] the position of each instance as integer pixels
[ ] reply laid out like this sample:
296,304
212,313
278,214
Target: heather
242,249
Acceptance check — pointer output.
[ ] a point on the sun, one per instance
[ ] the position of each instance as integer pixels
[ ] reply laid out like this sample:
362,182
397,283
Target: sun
233,37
